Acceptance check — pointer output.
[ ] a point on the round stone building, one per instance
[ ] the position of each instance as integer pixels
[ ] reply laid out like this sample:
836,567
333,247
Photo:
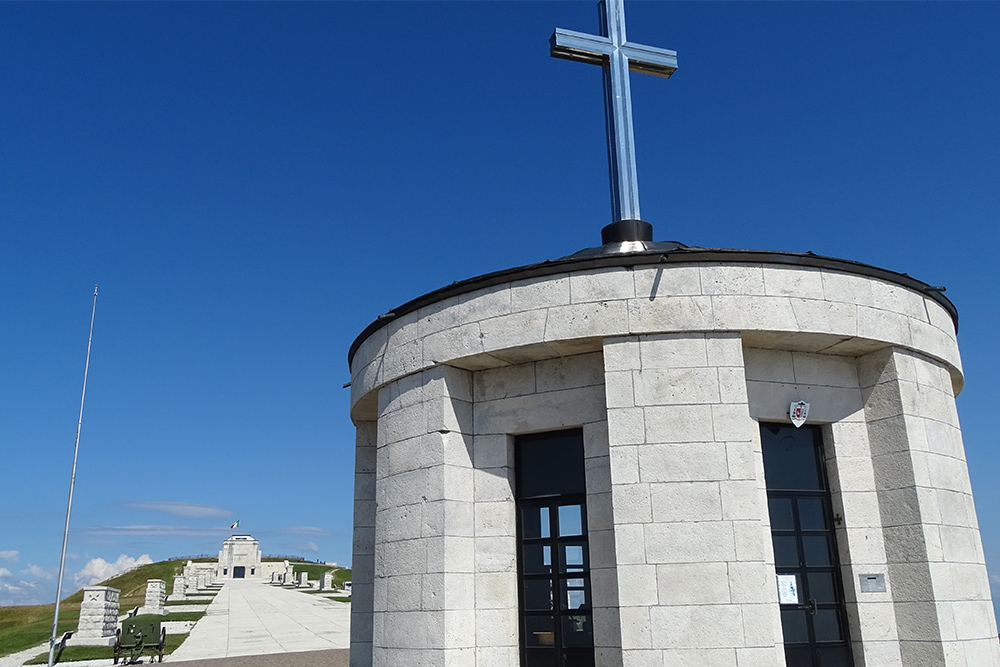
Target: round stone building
591,461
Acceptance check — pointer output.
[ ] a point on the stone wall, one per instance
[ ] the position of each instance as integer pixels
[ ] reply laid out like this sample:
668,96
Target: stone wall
668,370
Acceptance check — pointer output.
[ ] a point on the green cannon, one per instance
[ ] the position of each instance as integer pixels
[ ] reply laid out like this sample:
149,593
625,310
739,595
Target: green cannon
140,634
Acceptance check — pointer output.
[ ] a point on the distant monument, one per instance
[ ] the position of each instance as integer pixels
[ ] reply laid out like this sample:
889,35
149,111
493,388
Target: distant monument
647,453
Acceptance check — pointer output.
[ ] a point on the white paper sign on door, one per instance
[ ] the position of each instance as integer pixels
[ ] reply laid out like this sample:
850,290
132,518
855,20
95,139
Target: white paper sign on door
788,589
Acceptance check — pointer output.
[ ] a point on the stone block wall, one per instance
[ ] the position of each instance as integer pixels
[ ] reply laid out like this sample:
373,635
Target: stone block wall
830,383
695,568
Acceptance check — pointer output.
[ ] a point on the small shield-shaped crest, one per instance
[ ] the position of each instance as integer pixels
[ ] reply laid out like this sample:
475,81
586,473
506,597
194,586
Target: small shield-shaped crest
799,412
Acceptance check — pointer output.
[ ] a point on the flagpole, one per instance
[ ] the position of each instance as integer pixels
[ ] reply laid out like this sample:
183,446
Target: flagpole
72,482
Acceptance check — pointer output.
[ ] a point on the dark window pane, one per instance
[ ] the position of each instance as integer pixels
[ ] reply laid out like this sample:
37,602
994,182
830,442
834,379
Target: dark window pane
790,458
798,656
780,510
834,656
817,550
539,631
826,624
537,657
537,594
578,657
577,631
812,514
537,559
793,626
534,522
570,521
550,464
821,587
785,551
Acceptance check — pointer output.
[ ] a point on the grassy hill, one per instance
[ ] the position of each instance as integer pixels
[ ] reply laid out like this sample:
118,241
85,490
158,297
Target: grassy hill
24,627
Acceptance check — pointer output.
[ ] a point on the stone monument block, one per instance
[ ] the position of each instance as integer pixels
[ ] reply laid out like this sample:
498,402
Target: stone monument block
156,595
98,617
180,585
303,579
289,574
326,582
202,580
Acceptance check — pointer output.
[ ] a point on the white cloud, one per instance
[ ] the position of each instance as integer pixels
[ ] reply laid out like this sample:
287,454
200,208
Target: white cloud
303,530
184,509
9,556
22,592
159,531
4,572
37,572
98,569
995,578
306,546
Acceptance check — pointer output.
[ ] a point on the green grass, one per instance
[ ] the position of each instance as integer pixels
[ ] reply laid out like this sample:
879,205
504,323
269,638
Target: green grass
339,599
72,653
184,616
24,627
340,574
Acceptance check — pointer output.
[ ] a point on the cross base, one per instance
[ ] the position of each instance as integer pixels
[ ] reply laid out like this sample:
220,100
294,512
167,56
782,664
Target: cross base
627,230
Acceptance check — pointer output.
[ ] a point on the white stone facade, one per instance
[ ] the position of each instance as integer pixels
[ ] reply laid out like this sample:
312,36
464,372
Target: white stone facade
668,368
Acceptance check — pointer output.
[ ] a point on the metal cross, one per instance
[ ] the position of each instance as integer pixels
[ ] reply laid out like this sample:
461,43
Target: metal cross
617,57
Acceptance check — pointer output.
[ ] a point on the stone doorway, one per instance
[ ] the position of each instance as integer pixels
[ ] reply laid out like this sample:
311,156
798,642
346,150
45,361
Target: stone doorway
239,572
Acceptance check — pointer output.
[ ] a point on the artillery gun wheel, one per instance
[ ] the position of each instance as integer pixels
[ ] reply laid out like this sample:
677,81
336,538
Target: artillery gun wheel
118,644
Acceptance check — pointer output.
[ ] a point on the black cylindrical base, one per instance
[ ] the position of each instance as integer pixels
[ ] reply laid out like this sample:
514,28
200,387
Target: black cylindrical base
627,230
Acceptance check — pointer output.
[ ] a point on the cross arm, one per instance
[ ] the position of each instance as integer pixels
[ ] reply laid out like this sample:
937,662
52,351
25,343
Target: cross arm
650,59
580,46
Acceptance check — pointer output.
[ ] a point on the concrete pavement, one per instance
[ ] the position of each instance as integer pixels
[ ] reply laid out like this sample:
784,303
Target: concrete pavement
252,618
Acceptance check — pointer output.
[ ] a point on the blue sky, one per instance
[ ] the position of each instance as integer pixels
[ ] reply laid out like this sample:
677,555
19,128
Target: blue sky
252,184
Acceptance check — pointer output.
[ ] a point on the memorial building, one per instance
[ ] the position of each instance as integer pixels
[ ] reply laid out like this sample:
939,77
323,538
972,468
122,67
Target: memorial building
647,453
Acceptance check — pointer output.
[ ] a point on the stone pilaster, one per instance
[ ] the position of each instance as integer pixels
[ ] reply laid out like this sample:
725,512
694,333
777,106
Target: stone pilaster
695,570
423,524
935,558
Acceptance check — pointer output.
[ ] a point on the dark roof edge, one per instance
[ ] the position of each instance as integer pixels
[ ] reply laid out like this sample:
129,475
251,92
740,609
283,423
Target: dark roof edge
679,256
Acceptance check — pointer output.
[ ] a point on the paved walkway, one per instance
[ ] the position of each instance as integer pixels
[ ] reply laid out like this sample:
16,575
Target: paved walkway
252,618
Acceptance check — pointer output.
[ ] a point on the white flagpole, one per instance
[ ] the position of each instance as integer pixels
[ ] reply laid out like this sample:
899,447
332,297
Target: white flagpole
72,482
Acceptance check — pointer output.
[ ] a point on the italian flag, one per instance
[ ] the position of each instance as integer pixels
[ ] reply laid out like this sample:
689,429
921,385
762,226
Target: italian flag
235,525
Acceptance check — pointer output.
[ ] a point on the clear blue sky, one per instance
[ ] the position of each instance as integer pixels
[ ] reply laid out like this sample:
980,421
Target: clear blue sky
252,184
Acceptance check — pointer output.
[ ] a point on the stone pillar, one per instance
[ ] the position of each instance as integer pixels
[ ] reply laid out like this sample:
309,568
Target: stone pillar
937,573
273,576
363,560
180,584
695,563
303,579
156,595
326,582
289,574
98,615
202,580
426,594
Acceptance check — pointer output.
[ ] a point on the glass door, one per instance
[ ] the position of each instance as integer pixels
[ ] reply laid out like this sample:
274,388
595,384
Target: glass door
810,592
553,555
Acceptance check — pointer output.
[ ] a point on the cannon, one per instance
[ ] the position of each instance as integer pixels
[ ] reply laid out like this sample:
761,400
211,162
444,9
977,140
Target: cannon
140,634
